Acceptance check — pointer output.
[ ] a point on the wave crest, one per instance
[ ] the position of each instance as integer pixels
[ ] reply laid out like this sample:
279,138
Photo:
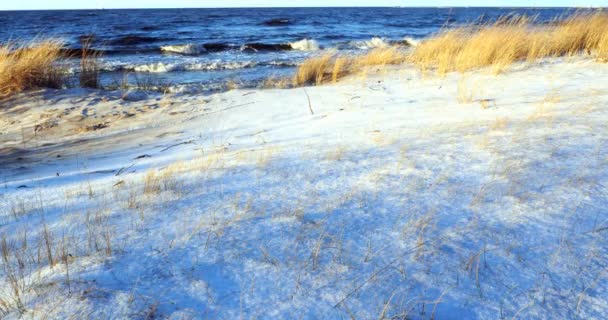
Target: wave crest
373,43
411,41
187,49
305,45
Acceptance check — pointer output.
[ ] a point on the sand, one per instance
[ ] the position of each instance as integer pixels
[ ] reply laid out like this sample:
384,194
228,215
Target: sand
390,194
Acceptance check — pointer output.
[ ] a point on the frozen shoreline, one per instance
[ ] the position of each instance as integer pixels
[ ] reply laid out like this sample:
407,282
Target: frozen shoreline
474,196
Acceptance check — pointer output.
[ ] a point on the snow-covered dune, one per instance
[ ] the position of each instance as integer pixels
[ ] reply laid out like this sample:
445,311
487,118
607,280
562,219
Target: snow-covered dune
389,196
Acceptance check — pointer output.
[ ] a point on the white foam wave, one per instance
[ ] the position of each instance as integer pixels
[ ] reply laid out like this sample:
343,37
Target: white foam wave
188,49
154,67
373,43
283,63
305,45
220,65
173,67
411,41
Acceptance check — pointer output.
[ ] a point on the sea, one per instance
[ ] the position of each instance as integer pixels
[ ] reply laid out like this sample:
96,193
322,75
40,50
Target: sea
203,50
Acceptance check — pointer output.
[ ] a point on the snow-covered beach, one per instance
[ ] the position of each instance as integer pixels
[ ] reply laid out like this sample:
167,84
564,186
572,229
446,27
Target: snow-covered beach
389,195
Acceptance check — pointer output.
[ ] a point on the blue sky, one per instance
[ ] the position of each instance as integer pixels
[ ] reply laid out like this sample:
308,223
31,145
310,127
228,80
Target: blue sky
96,4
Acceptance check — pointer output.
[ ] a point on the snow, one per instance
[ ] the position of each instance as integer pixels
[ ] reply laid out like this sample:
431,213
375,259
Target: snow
393,200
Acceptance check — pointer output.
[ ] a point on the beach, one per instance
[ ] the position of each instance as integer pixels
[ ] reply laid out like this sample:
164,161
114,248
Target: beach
391,194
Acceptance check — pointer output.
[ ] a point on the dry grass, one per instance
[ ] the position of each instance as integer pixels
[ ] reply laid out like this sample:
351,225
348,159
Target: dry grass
331,67
380,57
89,67
30,66
602,48
497,45
464,93
314,70
513,39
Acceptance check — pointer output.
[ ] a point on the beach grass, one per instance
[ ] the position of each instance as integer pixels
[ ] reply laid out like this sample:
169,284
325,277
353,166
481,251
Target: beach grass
89,67
510,40
330,67
30,66
496,45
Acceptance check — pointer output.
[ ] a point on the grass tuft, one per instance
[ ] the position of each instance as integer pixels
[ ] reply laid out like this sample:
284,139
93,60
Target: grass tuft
497,45
330,67
30,66
89,67
513,39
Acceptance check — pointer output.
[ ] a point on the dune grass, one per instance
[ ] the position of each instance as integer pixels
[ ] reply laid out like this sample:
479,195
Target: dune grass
496,45
513,39
30,66
330,67
89,67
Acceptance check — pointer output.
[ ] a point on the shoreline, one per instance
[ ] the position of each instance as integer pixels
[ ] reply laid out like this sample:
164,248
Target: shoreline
99,119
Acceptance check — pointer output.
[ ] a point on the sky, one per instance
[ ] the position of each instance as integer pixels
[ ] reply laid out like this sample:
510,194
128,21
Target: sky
98,4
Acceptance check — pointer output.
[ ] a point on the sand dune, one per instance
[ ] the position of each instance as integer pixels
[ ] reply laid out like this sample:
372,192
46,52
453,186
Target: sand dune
391,196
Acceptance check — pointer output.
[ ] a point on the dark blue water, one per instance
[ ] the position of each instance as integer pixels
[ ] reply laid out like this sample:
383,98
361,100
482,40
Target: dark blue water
201,49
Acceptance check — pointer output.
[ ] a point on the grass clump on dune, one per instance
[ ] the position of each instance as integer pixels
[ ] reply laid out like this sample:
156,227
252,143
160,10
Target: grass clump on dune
29,67
331,67
513,39
496,45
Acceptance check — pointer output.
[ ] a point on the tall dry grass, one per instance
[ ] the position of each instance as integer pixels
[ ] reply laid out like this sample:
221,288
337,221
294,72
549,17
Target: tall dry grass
30,66
513,39
314,70
330,67
496,45
89,67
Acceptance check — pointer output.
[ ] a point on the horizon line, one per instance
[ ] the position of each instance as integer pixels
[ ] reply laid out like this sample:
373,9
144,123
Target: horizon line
300,7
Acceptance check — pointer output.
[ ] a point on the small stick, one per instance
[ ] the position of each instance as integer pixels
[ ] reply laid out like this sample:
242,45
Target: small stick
309,104
178,144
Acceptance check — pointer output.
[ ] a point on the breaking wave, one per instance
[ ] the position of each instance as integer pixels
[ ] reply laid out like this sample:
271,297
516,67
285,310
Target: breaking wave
256,46
305,45
176,67
186,49
411,41
377,42
371,44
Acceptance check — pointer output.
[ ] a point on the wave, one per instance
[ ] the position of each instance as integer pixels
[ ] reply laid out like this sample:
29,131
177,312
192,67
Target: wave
276,22
305,45
281,64
411,41
257,46
376,42
187,49
217,47
177,67
373,43
197,49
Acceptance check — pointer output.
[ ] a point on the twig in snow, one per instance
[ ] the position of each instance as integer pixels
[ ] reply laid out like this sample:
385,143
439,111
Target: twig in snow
177,144
220,110
123,169
309,104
